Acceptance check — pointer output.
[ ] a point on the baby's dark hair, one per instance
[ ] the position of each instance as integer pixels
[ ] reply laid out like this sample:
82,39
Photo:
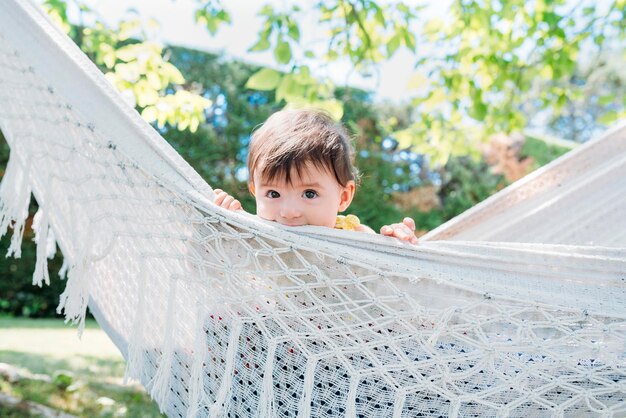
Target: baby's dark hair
291,138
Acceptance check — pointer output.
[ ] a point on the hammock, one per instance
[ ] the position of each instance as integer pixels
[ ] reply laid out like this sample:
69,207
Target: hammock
515,308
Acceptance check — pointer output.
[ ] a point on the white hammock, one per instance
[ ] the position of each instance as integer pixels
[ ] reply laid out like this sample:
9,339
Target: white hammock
521,311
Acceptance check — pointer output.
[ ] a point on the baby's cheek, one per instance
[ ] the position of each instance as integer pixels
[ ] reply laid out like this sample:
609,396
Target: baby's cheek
263,211
328,219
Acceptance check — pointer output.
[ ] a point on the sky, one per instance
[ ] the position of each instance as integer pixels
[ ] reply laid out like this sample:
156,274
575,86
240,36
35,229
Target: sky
177,27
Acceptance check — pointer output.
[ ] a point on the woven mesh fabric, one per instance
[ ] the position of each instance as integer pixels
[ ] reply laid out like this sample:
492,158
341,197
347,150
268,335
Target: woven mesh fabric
517,308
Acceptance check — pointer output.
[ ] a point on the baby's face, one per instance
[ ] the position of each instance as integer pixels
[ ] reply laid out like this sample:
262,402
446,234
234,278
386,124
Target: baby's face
313,198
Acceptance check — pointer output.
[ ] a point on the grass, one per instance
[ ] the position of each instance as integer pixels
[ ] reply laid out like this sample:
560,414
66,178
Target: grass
17,412
7,322
85,376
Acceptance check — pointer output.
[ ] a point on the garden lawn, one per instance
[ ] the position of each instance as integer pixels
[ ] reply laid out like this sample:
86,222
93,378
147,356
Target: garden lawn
82,377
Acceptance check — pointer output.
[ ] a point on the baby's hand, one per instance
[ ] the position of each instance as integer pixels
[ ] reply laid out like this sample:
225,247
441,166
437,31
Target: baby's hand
226,201
404,231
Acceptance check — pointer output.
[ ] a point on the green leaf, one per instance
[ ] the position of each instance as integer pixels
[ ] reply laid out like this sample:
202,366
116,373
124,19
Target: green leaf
127,53
380,17
608,118
546,72
282,52
479,110
199,17
393,44
294,32
149,114
224,16
183,123
403,8
267,10
303,76
406,138
599,39
587,11
265,79
109,59
172,73
262,44
193,125
144,94
409,40
154,80
211,23
333,106
289,89
127,72
433,26
607,99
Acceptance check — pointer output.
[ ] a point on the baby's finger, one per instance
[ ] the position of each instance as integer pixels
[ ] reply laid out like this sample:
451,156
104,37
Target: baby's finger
410,234
227,201
409,222
401,231
386,230
219,198
235,205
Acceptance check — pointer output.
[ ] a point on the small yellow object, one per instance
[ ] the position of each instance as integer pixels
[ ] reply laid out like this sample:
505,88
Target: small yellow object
347,222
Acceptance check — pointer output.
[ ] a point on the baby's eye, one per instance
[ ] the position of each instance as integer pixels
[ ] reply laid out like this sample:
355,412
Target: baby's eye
272,194
310,194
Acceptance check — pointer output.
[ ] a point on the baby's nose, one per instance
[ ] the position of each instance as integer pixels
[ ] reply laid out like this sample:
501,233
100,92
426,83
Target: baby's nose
289,211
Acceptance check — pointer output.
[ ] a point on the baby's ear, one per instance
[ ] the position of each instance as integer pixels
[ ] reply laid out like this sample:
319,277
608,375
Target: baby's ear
251,188
347,194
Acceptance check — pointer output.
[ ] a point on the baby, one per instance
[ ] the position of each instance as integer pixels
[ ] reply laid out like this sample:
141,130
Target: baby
301,173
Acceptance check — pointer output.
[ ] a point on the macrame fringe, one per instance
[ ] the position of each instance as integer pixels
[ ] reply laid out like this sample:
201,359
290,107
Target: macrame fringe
14,201
160,384
15,192
64,268
46,246
266,399
40,221
351,399
135,361
307,388
398,405
229,370
199,355
455,406
75,297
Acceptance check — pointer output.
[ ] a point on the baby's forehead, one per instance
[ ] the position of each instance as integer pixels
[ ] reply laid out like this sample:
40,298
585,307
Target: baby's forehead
307,175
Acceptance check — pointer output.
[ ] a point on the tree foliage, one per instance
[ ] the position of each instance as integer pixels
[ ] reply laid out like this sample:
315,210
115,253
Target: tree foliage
488,67
476,71
361,31
135,65
496,54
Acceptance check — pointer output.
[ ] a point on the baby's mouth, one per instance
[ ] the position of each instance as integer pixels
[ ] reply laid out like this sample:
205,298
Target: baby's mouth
290,223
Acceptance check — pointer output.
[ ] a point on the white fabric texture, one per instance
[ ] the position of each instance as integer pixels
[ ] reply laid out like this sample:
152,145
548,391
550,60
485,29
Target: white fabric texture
516,308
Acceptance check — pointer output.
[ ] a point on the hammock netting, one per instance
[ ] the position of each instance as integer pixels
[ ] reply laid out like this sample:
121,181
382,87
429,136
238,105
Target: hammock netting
516,308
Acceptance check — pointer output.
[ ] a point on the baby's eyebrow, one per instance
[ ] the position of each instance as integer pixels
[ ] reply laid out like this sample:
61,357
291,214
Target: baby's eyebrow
269,185
299,185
